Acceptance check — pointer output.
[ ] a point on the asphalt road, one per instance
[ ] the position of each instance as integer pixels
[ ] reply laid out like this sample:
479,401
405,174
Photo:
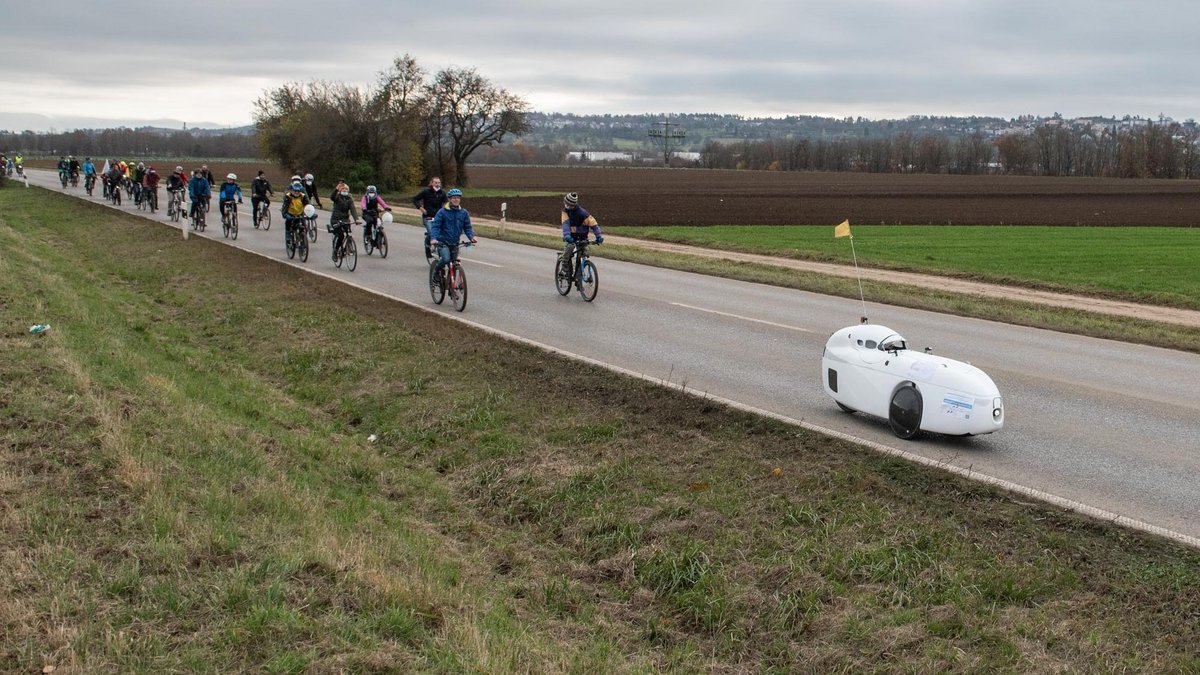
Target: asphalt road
1107,427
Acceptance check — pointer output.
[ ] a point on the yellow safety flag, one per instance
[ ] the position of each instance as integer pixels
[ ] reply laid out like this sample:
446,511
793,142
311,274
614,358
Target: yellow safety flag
842,230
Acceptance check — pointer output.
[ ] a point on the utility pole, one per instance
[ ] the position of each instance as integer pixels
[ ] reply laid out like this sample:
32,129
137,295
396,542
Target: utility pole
666,134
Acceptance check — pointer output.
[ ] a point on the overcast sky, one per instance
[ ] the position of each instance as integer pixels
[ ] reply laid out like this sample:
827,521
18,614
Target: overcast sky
208,62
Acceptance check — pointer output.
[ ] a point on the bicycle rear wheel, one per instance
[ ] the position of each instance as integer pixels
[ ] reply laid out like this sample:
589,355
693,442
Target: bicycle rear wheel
436,290
350,255
562,281
589,281
458,288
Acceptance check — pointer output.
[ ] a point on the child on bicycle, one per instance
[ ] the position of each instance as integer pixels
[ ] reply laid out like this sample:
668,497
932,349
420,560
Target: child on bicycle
451,222
576,223
341,208
372,202
200,191
229,192
294,201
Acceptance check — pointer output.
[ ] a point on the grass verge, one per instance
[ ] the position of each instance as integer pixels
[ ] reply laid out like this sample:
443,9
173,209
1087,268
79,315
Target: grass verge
186,484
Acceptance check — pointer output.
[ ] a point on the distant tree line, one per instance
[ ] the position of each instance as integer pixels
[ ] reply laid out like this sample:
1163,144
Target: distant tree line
127,143
396,133
1150,151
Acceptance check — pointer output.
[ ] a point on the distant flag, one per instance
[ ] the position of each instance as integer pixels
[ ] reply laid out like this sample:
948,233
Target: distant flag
842,230
104,171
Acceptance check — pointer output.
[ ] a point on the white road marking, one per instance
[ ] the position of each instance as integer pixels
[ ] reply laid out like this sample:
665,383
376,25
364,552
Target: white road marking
480,262
743,318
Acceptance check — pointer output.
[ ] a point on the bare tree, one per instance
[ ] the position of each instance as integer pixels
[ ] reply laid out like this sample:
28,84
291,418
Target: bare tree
466,112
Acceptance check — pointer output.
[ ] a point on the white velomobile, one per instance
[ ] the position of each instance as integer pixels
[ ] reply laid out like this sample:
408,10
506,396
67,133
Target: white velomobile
870,369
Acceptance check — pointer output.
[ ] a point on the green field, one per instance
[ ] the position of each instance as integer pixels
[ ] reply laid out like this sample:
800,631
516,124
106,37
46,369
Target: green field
187,484
1156,265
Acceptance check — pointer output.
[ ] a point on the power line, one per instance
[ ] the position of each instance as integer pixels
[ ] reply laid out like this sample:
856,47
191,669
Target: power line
667,134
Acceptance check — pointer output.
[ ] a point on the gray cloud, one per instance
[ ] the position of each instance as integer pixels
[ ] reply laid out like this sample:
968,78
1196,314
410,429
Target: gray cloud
875,58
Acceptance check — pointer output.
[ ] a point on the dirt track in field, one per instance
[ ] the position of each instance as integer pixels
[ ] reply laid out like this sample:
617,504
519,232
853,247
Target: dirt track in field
701,197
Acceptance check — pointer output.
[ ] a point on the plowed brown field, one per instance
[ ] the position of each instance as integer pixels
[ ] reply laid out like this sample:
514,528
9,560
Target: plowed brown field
641,196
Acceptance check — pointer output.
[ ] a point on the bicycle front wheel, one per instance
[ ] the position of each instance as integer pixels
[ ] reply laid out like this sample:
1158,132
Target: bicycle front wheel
381,245
351,254
264,221
303,249
233,225
562,280
312,231
589,281
458,288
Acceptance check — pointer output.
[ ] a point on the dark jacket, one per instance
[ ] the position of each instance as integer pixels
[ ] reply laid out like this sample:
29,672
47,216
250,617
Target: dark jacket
341,208
432,200
450,224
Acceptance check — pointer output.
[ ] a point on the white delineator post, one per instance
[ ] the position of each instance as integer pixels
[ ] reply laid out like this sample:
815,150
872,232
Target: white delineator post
503,217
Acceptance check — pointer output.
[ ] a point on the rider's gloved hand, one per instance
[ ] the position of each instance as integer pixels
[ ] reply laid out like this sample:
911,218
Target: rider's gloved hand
474,240
569,239
599,239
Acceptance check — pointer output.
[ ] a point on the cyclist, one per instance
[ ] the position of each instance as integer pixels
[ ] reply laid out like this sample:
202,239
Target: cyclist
260,193
177,181
371,203
341,208
449,224
208,175
294,201
72,167
89,173
19,164
63,167
310,188
200,191
114,179
137,174
429,201
576,223
229,192
150,186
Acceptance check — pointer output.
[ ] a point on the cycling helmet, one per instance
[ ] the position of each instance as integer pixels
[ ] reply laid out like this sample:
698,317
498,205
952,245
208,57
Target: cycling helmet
572,199
232,176
296,178
140,165
308,176
454,192
297,187
371,189
179,169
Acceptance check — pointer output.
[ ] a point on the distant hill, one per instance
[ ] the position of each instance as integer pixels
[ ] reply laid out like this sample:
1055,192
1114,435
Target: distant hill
18,122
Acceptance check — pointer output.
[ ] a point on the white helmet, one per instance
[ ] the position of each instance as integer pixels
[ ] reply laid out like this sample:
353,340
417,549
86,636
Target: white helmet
308,176
179,169
296,178
232,176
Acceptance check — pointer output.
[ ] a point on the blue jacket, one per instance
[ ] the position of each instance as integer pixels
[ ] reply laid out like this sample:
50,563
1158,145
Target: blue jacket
198,187
450,224
577,222
230,191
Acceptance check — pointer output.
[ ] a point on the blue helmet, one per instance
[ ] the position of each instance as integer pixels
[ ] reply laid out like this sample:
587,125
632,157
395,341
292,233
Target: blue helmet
454,192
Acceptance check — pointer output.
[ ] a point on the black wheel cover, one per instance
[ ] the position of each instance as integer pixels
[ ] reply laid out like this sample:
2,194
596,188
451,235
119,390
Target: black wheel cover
904,413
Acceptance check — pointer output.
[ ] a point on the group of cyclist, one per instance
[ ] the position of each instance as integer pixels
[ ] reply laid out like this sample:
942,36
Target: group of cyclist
14,163
446,220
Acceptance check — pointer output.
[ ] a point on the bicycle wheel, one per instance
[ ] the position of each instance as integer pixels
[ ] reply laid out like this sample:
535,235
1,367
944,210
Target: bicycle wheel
303,249
153,202
562,281
350,255
589,281
225,227
369,243
233,224
458,288
116,197
338,256
289,245
436,289
312,230
265,221
381,245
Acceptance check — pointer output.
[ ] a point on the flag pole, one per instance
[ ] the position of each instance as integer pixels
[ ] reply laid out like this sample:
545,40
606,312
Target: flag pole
862,298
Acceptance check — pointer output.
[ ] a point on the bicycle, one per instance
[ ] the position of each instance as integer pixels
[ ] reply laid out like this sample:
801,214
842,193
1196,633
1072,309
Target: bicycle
584,275
175,205
89,183
229,222
114,193
374,238
295,240
451,281
347,252
262,219
199,208
150,197
74,179
312,230
62,178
